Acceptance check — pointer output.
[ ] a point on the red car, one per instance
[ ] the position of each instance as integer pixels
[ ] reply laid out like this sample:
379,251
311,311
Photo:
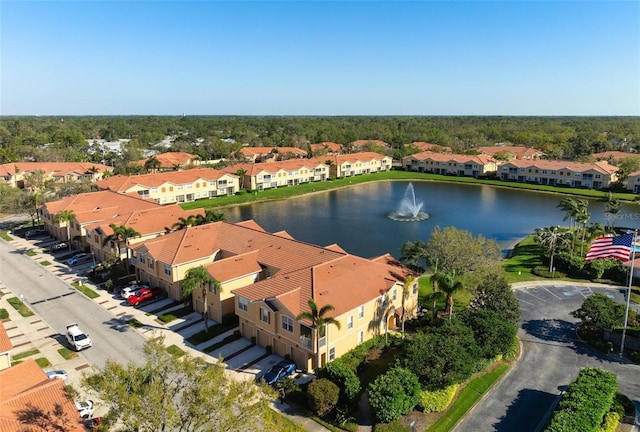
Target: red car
143,295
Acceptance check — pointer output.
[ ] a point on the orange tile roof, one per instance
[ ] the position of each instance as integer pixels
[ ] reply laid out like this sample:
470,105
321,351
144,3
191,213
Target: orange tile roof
253,169
615,155
355,157
120,183
234,267
425,146
602,166
26,388
360,143
453,157
51,168
519,151
5,342
97,206
257,151
327,146
171,159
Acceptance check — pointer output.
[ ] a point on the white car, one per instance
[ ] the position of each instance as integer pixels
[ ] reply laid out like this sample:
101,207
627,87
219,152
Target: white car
77,338
85,409
131,290
60,374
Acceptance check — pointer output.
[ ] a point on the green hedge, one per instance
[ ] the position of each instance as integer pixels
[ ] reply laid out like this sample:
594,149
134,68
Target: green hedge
611,420
584,405
438,400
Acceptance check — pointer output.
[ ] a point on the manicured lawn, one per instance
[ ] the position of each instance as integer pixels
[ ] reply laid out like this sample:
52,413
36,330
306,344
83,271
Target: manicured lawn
45,263
134,323
30,253
85,290
26,354
20,307
5,235
67,353
175,351
526,257
461,299
468,396
43,362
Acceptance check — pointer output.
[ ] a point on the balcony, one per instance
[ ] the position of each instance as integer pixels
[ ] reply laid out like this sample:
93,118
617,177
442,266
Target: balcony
305,342
322,342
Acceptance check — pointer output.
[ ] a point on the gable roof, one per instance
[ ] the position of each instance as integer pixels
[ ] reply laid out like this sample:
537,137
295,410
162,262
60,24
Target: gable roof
602,167
52,168
169,160
357,157
453,157
5,342
120,183
425,146
614,155
259,151
96,206
364,142
326,146
520,152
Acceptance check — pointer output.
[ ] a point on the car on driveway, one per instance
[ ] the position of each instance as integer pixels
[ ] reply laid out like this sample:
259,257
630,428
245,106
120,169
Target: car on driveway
77,259
59,246
34,233
85,409
143,295
61,374
278,372
128,291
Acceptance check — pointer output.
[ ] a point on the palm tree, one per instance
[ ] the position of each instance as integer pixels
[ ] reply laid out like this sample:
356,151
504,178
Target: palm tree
550,238
412,253
406,289
240,173
122,234
583,218
210,215
570,207
435,295
152,164
184,222
199,277
66,216
319,322
449,285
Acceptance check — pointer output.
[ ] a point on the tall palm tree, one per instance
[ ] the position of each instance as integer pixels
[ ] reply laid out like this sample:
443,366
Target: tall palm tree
435,295
570,208
406,289
66,216
240,173
583,218
152,164
199,277
184,222
449,285
319,323
209,216
551,238
121,235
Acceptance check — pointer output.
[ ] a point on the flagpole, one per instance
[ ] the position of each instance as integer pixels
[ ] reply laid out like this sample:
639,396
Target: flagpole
626,312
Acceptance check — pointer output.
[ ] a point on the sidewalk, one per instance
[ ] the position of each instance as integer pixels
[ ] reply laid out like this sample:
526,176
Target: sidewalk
29,332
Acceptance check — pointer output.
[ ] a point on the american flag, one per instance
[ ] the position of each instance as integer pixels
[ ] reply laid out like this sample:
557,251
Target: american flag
618,247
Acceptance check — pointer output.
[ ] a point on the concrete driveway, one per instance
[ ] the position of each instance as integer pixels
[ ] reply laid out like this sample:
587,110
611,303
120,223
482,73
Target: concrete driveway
551,359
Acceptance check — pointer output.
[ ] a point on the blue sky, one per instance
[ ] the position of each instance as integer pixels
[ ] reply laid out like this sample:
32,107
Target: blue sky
320,58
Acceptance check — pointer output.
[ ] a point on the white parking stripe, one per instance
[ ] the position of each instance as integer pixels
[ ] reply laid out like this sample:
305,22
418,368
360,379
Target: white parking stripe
549,291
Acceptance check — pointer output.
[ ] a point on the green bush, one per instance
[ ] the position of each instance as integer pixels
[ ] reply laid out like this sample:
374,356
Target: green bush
512,351
544,272
323,395
167,318
437,400
394,394
4,314
358,355
572,265
610,423
344,378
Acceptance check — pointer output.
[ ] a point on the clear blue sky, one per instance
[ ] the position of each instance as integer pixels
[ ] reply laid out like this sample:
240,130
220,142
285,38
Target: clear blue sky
320,57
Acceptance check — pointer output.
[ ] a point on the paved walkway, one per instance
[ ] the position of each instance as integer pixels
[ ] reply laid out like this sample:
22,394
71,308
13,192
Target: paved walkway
30,333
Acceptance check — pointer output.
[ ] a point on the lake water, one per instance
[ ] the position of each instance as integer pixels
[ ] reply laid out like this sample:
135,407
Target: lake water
356,217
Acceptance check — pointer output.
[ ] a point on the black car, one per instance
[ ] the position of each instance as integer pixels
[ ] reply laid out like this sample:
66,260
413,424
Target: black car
58,246
34,233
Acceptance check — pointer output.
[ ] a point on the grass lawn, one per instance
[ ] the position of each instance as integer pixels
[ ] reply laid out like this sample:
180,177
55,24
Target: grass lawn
45,263
134,323
5,235
461,299
525,258
175,351
26,354
30,253
43,362
85,290
67,353
274,421
20,307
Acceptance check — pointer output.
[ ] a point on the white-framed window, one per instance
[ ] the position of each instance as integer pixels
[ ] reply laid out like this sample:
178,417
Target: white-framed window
394,294
264,315
150,262
212,288
361,312
287,323
153,190
189,186
350,322
383,300
180,187
167,269
415,288
163,200
141,258
212,183
332,354
361,337
243,304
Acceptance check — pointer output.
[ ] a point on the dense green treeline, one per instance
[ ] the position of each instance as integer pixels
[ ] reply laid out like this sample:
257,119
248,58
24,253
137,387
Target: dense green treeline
24,138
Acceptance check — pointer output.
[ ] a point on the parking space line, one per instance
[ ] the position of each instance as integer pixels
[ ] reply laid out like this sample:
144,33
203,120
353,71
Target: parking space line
534,296
524,301
549,291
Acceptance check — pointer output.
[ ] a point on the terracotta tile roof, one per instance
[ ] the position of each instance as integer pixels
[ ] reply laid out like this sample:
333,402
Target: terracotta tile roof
5,342
254,169
452,157
602,167
519,152
614,155
100,203
51,168
121,183
361,143
425,146
258,151
234,267
25,385
326,146
283,234
171,159
147,221
357,157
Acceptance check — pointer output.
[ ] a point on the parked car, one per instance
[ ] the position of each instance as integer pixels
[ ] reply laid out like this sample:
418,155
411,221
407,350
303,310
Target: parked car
81,258
58,246
34,233
143,295
278,372
126,292
77,338
60,374
85,409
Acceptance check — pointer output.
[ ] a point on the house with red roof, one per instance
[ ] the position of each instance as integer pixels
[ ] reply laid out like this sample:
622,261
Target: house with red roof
511,152
172,161
268,175
349,165
5,348
425,146
588,175
450,164
613,156
271,154
325,148
16,174
267,279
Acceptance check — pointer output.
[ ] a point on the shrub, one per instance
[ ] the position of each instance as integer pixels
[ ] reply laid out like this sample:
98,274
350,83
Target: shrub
358,355
572,265
610,423
512,351
323,395
437,400
394,394
344,378
492,333
543,271
167,318
4,314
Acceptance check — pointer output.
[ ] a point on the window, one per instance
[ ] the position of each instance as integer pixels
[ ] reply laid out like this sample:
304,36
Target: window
167,269
383,300
180,187
243,304
415,288
150,261
361,312
264,315
189,186
394,294
153,190
141,257
164,189
361,337
332,354
212,288
350,322
287,323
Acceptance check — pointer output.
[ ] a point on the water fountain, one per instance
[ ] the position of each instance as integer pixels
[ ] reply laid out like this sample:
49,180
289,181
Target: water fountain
409,210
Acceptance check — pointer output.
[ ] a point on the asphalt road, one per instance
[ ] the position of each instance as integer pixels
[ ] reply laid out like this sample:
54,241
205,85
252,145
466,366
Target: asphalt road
59,304
552,357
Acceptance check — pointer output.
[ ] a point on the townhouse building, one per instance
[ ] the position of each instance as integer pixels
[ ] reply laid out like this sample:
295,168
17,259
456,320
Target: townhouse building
173,161
267,279
425,146
271,154
451,164
588,175
325,148
613,156
174,186
268,175
358,163
633,182
16,174
512,152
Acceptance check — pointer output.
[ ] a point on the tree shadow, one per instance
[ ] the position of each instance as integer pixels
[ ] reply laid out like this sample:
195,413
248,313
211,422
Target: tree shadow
550,330
529,404
35,418
121,324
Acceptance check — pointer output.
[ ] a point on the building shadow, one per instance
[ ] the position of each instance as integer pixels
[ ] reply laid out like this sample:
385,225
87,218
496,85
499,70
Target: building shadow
528,412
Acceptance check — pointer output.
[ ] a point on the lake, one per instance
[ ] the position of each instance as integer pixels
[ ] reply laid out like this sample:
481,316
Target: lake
356,217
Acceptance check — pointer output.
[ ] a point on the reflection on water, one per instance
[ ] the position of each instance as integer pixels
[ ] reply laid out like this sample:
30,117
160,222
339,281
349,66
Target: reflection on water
356,217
